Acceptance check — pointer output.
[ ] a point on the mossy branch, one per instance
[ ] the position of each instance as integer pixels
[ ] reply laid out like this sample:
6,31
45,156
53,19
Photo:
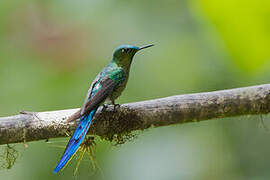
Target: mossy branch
140,115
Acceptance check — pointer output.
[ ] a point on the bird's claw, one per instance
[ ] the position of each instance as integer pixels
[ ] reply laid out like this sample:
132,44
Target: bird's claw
115,107
105,106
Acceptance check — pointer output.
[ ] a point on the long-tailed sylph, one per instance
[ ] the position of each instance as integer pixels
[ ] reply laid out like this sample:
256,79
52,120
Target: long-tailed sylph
107,86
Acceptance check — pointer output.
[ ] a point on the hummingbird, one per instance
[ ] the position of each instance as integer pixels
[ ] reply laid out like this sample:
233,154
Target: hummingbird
106,87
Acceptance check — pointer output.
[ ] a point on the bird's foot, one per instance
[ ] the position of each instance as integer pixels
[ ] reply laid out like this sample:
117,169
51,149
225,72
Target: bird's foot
116,107
105,106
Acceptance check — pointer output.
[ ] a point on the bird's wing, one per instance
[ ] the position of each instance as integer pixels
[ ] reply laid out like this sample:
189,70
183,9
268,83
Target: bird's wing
98,92
107,86
89,93
79,113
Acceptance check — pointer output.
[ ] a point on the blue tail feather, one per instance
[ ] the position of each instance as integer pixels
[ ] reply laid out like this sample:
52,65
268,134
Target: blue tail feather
76,140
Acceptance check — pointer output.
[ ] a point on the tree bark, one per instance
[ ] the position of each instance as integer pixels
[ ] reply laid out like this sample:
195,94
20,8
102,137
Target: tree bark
140,115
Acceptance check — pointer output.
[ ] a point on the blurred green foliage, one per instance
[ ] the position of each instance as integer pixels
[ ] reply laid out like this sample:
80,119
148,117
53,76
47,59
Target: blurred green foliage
50,51
244,26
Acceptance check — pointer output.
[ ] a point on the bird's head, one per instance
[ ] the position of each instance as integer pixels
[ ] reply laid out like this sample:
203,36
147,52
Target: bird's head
124,54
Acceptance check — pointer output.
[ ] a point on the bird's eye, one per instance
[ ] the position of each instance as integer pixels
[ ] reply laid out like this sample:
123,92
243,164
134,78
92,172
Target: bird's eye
123,50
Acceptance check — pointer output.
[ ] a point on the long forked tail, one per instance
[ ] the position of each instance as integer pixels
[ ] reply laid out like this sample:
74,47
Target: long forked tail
76,140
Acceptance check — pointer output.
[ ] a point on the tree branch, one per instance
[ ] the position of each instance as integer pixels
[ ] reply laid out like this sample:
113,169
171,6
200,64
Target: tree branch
140,115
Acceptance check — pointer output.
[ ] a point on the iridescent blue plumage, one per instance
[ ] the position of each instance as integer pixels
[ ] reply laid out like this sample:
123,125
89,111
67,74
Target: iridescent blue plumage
76,140
108,85
78,135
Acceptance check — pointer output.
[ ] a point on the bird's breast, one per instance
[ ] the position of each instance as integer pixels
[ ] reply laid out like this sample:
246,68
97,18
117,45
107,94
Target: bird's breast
118,91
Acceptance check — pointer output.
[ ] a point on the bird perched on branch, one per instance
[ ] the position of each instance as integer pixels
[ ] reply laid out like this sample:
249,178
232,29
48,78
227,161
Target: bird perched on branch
107,86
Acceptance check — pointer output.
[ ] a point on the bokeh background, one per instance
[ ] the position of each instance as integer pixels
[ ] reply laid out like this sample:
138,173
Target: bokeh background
51,50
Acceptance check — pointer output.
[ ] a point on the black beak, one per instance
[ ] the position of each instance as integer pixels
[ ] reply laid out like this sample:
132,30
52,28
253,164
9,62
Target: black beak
147,46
